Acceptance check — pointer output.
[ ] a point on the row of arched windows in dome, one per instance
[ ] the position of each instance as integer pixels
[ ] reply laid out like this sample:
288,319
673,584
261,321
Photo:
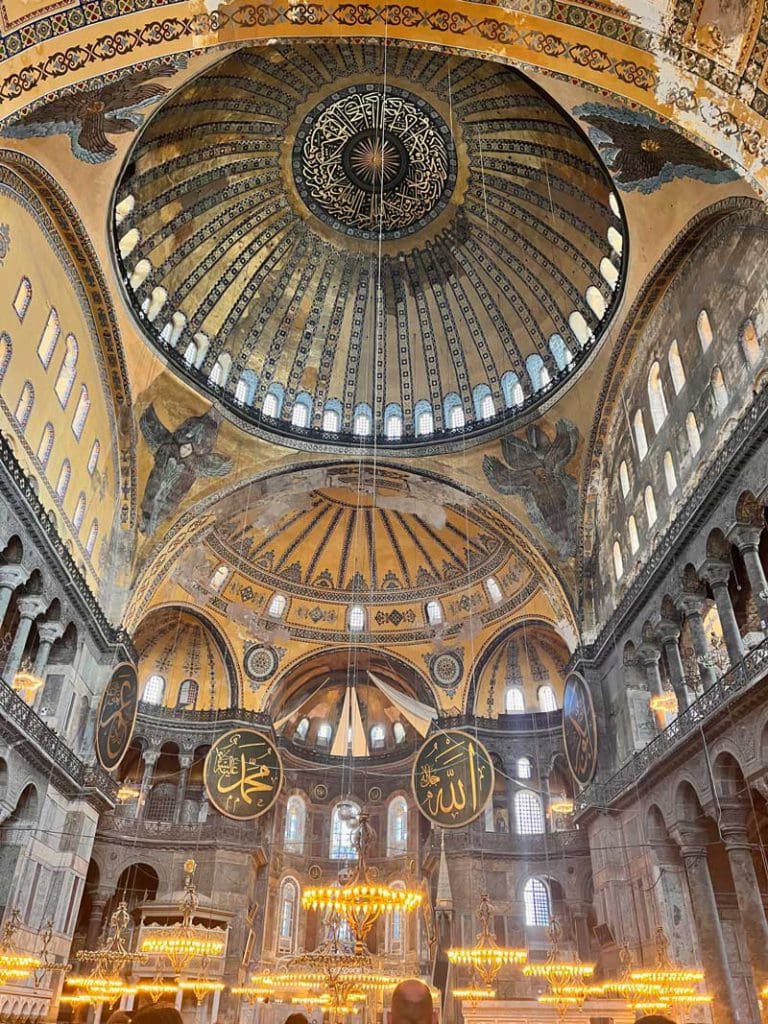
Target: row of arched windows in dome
659,411
377,734
155,688
514,699
344,821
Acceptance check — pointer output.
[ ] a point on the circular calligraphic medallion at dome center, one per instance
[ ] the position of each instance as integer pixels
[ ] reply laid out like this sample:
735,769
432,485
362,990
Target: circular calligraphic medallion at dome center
243,774
372,160
453,778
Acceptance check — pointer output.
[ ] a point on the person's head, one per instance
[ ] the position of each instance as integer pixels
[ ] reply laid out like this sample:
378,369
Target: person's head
296,1018
412,1003
157,1015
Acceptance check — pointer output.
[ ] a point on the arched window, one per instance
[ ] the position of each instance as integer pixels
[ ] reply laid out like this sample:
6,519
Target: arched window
378,736
397,826
434,613
49,339
692,430
22,298
356,618
271,404
456,418
537,905
676,368
595,301
704,329
395,930
81,412
640,437
295,824
618,561
650,504
277,606
241,391
45,447
393,422
547,699
537,372
524,768
6,350
93,458
93,534
634,540
399,730
63,482
302,411
219,577
560,352
79,516
154,690
580,328
669,473
656,397
494,590
750,343
514,702
188,693
512,390
719,391
24,404
289,903
615,240
302,729
324,733
362,423
424,419
609,273
529,813
216,376
487,407
190,354
344,821
66,377
624,478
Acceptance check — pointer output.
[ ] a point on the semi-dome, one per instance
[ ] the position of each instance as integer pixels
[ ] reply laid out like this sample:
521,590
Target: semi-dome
347,242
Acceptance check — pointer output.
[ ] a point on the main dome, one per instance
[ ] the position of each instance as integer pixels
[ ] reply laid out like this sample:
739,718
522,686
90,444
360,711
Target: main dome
348,243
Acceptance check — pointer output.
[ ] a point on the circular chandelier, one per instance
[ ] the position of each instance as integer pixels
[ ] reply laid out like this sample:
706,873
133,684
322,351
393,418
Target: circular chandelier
361,901
105,982
487,957
473,993
156,988
659,988
181,943
15,964
567,980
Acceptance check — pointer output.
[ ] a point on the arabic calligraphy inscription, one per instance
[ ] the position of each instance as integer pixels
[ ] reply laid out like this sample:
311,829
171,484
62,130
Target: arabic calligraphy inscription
453,778
116,716
243,774
579,729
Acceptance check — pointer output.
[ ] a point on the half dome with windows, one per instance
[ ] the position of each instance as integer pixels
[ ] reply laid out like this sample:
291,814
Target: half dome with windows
261,258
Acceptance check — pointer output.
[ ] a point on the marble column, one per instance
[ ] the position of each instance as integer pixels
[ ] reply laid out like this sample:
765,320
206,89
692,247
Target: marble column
49,633
579,914
747,540
733,829
714,957
150,760
650,657
691,606
185,761
29,609
11,577
718,574
98,903
669,637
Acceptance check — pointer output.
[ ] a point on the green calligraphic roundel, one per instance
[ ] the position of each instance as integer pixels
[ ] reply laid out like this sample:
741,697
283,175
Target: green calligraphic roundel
243,774
116,717
579,729
452,778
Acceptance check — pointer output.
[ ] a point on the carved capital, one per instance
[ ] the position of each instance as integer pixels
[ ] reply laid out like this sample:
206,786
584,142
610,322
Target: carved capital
649,654
668,632
745,537
717,572
31,607
12,576
50,632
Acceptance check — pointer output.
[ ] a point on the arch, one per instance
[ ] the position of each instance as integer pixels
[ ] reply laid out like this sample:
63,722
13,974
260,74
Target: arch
245,388
624,478
434,612
344,821
219,577
524,768
25,404
494,590
514,700
79,516
356,618
615,240
670,476
485,407
424,418
272,405
288,915
634,539
537,903
362,421
49,338
393,422
45,447
529,813
377,736
656,399
398,731
22,298
641,439
704,330
6,351
277,606
692,433
302,729
62,483
538,374
454,411
609,273
719,390
81,412
301,414
580,328
560,352
161,801
154,690
750,342
547,698
618,561
188,694
191,353
295,823
512,390
676,370
66,376
397,826
324,734
93,458
650,505
93,535
595,301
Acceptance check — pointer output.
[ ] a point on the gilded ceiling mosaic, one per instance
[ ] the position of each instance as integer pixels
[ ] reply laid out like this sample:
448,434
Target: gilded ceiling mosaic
346,242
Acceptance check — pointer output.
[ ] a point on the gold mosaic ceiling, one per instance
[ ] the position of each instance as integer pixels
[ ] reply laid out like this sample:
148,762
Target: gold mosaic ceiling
346,240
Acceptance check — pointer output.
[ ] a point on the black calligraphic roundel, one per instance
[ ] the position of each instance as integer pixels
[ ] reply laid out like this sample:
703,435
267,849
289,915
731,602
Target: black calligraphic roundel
116,716
452,778
243,774
579,729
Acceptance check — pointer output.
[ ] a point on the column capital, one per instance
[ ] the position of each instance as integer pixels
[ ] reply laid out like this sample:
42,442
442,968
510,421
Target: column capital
692,604
31,607
717,572
692,840
185,761
50,632
745,536
150,757
12,576
649,654
733,820
668,632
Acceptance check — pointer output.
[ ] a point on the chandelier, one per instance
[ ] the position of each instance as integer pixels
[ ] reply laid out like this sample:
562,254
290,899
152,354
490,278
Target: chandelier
664,702
666,982
253,993
105,982
156,988
200,987
361,901
487,957
25,682
473,993
567,979
181,943
15,964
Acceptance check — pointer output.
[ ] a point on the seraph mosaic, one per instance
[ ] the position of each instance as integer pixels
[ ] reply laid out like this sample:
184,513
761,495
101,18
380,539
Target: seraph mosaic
89,117
643,154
